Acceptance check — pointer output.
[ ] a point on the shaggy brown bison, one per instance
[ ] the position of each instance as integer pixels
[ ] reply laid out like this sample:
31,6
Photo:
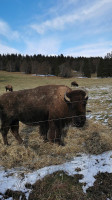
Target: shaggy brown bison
51,107
74,83
9,87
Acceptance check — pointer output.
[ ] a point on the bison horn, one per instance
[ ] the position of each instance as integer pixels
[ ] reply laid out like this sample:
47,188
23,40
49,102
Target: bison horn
67,98
86,96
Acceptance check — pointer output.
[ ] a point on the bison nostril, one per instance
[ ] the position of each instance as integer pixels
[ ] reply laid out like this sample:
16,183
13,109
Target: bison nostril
79,121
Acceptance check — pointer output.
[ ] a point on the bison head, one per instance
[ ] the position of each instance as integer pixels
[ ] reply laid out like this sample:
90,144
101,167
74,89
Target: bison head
77,101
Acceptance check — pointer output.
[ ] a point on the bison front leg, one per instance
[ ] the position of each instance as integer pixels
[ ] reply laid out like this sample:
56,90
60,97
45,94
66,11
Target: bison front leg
43,130
15,131
54,133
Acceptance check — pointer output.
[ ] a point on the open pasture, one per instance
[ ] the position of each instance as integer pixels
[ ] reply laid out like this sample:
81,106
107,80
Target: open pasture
94,138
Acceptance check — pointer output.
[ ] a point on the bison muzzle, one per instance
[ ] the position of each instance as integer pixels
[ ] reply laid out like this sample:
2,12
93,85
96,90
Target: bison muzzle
51,107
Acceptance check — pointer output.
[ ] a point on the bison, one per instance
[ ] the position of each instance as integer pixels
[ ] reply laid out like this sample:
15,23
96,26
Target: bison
9,87
52,107
74,83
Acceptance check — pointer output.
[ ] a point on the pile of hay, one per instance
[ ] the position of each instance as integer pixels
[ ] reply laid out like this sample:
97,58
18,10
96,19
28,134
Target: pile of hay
93,138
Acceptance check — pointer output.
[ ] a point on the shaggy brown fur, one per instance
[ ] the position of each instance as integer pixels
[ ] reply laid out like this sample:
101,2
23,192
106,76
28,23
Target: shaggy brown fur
46,106
9,87
74,83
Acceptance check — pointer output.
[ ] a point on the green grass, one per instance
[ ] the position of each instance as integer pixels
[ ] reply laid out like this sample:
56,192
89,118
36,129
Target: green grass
23,81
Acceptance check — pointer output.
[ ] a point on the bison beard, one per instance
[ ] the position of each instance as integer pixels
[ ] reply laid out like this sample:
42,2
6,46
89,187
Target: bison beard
51,107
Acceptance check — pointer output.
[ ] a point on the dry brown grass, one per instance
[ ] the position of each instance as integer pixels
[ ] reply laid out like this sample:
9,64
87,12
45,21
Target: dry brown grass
94,138
60,186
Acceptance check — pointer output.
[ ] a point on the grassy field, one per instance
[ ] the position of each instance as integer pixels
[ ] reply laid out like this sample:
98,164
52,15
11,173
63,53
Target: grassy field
98,127
22,81
94,138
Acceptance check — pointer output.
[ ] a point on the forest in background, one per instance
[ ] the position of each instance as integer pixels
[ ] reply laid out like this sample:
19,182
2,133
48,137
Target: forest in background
63,66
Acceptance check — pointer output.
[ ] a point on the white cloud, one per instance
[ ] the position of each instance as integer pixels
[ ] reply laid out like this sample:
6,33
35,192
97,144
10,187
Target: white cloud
80,14
84,20
7,50
90,50
45,46
6,31
57,23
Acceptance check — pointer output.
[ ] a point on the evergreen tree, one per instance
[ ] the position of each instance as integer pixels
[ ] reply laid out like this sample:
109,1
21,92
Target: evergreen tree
86,68
100,69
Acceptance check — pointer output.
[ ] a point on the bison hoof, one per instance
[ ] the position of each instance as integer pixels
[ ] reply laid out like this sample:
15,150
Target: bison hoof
62,143
46,140
7,144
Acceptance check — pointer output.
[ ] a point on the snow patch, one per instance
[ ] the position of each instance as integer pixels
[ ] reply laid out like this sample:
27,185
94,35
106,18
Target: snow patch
90,166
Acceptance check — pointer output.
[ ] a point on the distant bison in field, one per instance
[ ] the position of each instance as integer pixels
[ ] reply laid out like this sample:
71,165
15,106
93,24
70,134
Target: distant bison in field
74,83
9,87
52,107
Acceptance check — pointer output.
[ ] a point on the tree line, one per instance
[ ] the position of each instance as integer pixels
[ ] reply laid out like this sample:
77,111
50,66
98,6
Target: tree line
60,65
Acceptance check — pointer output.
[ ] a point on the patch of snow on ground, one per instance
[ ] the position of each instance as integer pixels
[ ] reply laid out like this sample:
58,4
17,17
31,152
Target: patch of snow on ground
101,96
90,166
42,75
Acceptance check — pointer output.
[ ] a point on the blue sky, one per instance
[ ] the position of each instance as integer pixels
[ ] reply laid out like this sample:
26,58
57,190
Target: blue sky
54,27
